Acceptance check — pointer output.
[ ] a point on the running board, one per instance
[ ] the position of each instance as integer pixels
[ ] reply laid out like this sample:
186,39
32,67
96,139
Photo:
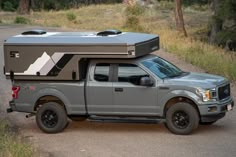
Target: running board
125,119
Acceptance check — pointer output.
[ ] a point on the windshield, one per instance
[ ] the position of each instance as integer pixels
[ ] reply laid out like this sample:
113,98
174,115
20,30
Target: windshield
162,68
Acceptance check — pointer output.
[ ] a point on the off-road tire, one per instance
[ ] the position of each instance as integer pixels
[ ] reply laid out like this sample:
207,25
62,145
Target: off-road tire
56,112
182,118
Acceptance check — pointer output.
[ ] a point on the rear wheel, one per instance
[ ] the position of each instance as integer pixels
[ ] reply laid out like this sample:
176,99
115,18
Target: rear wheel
51,118
182,118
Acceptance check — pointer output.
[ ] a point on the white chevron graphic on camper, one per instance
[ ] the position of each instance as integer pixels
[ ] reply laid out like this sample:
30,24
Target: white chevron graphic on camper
38,64
51,63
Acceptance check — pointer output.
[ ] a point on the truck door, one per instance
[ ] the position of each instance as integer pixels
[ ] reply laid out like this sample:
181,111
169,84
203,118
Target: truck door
99,89
129,97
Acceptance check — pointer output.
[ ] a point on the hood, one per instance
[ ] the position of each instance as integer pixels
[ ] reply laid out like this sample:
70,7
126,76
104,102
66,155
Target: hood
202,80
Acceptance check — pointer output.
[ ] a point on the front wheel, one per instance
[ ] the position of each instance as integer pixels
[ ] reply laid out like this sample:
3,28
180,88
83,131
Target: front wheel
182,118
51,118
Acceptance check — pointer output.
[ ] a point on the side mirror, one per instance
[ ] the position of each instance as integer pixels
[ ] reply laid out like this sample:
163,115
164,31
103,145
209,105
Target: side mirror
146,81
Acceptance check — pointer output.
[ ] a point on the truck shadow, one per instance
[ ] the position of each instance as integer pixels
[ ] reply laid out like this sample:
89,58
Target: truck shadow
137,127
115,127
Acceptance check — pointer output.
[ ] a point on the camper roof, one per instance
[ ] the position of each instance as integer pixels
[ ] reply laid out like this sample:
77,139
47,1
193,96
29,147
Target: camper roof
108,37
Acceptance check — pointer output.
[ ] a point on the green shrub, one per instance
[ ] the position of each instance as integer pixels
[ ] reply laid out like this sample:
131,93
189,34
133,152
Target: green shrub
169,5
8,6
134,10
71,16
21,20
133,23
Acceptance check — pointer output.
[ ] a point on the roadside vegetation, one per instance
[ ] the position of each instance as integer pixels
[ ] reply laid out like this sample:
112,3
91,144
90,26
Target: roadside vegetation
158,19
12,145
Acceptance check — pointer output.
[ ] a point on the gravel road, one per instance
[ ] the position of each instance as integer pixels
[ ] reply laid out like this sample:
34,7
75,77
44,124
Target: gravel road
90,139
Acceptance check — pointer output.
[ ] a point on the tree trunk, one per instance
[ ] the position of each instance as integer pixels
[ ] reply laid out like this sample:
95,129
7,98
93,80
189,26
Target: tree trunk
24,6
32,4
216,25
179,19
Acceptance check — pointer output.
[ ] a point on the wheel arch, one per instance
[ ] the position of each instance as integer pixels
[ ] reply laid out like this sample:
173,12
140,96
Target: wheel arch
50,95
177,99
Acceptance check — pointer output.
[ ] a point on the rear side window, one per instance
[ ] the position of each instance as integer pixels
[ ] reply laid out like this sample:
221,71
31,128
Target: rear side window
130,73
101,73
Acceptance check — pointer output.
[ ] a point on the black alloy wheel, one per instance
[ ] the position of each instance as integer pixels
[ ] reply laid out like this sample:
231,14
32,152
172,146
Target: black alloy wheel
49,118
180,119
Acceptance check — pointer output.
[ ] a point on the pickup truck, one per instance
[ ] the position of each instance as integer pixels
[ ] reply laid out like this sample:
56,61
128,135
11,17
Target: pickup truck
142,89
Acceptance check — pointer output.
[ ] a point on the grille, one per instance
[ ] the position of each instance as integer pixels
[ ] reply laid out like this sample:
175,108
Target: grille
224,91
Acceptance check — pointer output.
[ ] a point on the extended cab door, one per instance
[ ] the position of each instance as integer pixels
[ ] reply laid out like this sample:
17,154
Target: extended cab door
99,89
129,97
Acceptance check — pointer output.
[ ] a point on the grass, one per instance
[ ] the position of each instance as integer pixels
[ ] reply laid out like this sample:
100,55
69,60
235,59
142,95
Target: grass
158,19
11,145
21,20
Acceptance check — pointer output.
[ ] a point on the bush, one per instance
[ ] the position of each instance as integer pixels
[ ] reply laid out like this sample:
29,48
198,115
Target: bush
8,6
71,16
134,10
133,23
21,20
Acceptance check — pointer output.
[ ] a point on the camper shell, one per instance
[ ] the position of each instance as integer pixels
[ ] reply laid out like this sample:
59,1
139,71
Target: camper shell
41,55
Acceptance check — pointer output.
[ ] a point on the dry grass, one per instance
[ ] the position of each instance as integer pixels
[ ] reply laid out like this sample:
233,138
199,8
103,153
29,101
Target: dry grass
11,145
158,20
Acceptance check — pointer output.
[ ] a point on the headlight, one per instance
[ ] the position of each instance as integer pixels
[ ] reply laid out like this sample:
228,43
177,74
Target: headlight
206,94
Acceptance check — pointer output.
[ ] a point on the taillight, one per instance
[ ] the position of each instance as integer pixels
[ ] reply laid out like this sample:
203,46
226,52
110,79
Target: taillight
15,90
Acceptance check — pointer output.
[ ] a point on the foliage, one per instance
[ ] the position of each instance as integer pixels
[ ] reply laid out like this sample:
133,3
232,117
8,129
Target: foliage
212,59
10,145
12,5
133,24
133,12
194,2
228,10
21,20
157,21
9,5
71,16
224,36
225,18
52,5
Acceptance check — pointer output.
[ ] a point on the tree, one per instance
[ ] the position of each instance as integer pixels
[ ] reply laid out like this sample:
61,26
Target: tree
179,19
216,24
223,24
24,6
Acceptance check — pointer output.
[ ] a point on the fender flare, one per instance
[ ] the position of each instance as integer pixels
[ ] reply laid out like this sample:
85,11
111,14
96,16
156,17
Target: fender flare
179,93
51,92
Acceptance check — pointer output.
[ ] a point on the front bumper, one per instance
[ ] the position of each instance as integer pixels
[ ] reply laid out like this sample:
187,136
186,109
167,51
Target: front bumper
215,110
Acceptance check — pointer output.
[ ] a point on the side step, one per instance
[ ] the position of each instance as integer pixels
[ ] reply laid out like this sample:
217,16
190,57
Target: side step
153,120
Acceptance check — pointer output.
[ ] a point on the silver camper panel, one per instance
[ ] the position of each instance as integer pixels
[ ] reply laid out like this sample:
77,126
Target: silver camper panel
56,56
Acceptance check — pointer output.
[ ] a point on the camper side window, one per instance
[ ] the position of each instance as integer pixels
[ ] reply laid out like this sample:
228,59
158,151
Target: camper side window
102,72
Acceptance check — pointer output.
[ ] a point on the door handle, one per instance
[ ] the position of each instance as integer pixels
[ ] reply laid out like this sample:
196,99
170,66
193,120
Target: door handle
118,89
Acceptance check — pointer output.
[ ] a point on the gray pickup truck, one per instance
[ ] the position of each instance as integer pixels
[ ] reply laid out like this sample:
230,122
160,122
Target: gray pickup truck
144,88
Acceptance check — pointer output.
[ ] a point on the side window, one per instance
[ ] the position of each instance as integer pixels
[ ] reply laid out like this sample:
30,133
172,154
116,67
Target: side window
101,72
130,73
